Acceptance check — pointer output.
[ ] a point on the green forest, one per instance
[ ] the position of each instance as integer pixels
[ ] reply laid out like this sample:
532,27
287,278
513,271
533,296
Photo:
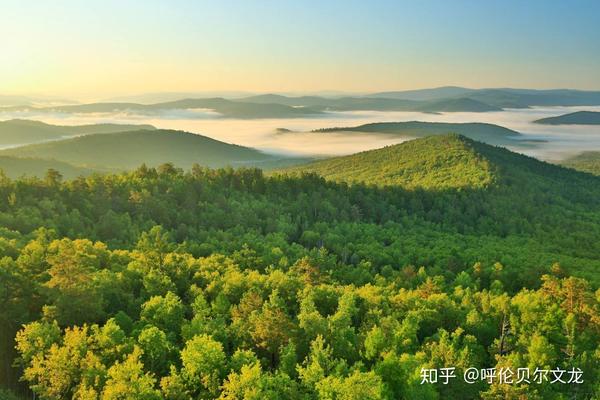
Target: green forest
338,280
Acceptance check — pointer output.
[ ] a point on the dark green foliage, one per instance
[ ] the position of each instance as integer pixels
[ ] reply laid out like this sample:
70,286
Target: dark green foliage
160,283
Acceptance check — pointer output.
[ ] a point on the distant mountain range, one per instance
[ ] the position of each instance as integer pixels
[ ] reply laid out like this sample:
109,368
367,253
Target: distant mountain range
444,99
503,97
576,118
227,108
425,94
374,104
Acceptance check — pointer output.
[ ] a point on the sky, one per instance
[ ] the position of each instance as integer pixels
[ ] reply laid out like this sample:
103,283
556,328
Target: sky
101,48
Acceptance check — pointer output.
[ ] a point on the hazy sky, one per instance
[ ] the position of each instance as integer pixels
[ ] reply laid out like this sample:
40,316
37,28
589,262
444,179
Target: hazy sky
105,47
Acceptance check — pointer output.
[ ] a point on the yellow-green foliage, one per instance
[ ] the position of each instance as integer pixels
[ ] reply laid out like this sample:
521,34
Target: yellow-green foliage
435,162
588,161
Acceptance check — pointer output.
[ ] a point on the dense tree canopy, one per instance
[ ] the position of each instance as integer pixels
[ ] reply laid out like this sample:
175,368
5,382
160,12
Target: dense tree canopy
230,284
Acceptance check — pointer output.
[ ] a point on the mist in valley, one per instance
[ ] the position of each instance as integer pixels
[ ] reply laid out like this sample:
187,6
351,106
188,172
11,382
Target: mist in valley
293,136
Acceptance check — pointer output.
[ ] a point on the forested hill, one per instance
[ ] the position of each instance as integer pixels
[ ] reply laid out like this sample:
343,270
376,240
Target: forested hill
441,162
435,162
128,150
484,179
488,133
21,131
164,284
576,118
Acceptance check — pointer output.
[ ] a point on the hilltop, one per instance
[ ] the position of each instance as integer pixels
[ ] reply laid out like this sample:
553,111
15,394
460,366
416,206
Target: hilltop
21,131
435,162
127,150
575,118
489,133
444,162
469,187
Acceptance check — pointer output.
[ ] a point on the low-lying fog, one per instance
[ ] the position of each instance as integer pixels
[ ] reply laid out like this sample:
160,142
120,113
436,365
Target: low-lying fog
562,140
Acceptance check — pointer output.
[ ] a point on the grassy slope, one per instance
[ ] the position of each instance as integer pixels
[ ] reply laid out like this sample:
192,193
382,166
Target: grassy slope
19,131
128,150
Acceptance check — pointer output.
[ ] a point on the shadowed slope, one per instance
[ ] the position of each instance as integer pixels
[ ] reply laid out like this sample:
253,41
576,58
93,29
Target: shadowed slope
128,150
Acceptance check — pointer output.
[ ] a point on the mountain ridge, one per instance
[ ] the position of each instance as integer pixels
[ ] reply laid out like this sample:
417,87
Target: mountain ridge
225,107
489,133
25,131
502,97
574,118
441,162
128,150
